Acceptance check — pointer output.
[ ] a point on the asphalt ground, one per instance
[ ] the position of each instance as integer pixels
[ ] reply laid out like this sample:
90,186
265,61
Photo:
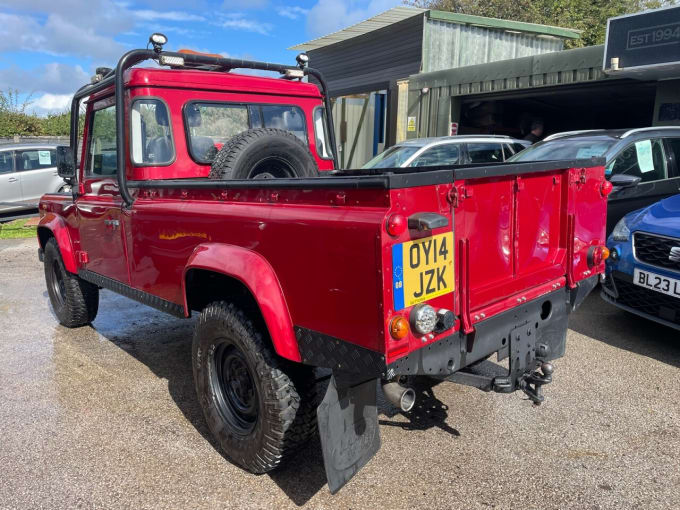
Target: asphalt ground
106,417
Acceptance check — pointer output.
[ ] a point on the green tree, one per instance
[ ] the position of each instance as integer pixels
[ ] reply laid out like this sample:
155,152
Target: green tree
15,119
588,16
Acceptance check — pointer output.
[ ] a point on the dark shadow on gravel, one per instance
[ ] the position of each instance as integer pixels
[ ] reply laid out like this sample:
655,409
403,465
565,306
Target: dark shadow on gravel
163,344
606,323
428,411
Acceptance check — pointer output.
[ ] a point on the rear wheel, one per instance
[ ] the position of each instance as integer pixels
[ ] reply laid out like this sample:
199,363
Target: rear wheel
75,302
259,407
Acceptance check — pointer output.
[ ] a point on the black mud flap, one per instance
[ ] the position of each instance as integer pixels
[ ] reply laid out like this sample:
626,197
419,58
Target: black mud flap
348,426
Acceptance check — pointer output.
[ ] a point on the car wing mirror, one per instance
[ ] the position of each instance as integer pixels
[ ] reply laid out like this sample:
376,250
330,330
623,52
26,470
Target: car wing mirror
65,165
624,181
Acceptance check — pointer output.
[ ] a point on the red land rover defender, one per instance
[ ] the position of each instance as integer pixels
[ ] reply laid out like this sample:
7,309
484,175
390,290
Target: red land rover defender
196,190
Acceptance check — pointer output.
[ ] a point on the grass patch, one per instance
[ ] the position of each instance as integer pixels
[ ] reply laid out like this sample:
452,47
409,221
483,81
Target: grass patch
17,229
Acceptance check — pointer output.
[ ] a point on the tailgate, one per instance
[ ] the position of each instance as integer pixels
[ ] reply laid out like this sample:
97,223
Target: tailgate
516,226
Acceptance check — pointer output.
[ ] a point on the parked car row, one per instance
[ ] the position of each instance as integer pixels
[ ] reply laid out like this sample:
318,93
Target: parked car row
643,210
448,150
27,172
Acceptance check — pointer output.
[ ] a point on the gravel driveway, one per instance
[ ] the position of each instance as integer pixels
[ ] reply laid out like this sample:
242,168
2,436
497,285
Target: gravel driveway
106,416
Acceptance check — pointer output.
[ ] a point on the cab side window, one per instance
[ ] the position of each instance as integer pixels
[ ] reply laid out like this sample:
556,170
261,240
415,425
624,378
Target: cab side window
445,154
150,133
102,159
645,159
6,162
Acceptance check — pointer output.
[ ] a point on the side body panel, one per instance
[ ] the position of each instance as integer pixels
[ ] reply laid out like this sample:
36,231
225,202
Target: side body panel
325,255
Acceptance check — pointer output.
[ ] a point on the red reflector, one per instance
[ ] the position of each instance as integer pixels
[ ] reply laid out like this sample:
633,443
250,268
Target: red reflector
596,254
396,224
606,188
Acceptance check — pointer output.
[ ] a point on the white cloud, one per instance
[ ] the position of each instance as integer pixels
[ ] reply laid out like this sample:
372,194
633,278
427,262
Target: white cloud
64,27
238,21
328,16
54,78
51,103
292,12
149,15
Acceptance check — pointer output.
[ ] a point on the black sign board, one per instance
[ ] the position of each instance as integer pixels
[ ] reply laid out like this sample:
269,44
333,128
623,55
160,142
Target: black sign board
647,39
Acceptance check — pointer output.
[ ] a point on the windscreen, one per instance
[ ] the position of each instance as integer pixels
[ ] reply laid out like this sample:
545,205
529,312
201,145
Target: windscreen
565,148
393,157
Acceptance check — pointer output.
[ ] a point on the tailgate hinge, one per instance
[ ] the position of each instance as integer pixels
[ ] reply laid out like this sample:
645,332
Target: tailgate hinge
519,183
457,195
580,178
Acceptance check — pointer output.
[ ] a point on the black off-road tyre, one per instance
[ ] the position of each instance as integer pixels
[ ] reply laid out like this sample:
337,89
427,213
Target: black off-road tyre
259,407
263,153
75,302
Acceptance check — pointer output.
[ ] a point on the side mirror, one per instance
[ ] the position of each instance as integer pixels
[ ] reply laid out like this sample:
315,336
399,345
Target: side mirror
623,181
65,166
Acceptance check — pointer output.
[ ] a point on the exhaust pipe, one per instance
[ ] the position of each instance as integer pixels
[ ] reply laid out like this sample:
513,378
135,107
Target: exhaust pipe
399,396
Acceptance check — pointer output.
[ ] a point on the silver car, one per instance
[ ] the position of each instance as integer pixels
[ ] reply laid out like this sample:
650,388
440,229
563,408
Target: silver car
27,172
448,150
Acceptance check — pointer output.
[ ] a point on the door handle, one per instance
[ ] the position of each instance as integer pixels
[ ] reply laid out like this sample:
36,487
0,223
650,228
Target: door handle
112,223
12,179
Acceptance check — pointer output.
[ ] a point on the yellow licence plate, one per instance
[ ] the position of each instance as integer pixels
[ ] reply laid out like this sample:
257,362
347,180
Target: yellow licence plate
422,269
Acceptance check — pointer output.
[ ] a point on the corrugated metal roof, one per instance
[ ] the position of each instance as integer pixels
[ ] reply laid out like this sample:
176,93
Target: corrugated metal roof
376,22
504,24
449,44
397,14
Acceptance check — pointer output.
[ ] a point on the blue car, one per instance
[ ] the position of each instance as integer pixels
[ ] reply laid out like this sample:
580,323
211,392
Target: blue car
643,269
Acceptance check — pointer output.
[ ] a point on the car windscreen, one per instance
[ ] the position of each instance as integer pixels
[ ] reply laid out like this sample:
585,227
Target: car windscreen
565,148
393,157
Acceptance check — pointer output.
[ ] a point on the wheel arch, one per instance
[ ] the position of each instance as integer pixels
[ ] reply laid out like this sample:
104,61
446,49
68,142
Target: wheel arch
52,226
217,271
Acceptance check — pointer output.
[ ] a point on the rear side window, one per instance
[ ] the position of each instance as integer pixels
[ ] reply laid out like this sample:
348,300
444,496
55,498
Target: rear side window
485,152
445,154
6,162
644,159
321,134
210,125
150,133
102,151
36,159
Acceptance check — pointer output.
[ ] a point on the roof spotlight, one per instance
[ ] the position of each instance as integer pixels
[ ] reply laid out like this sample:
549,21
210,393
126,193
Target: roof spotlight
158,40
302,60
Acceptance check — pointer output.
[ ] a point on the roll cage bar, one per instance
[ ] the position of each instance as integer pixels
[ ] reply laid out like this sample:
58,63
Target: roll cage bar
133,57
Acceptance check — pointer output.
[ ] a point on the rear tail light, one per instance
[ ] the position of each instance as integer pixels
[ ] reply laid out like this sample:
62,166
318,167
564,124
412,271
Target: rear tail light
423,319
597,255
606,188
396,224
398,328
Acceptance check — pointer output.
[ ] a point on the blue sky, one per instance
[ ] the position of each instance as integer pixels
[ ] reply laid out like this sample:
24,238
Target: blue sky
49,48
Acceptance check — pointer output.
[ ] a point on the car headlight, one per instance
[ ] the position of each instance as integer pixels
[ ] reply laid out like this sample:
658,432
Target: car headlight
423,319
621,231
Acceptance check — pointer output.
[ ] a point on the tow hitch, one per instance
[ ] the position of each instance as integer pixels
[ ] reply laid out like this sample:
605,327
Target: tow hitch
527,369
531,383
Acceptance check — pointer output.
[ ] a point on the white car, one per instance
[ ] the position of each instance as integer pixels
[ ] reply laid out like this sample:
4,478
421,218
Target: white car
27,172
448,150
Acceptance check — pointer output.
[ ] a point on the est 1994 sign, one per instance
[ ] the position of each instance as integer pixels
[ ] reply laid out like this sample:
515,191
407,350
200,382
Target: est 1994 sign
643,40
